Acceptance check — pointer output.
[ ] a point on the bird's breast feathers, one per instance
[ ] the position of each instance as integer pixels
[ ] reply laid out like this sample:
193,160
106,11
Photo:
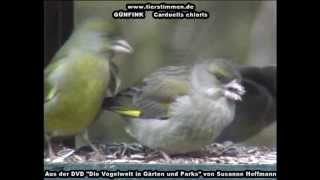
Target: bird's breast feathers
199,111
80,84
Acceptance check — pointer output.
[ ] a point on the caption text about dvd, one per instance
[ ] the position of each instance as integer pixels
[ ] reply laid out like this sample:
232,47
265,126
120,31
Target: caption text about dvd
155,173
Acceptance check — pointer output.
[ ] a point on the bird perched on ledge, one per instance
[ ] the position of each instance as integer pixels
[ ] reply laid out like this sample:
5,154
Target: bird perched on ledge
181,109
78,78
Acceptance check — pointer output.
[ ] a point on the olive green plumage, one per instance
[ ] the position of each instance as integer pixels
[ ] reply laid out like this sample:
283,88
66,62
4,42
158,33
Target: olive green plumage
78,88
153,97
182,109
79,77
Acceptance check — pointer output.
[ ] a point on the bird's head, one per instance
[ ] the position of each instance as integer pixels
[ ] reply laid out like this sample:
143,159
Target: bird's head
217,77
101,35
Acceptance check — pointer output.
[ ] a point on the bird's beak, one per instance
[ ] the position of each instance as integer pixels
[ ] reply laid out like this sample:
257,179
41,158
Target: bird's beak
121,46
234,90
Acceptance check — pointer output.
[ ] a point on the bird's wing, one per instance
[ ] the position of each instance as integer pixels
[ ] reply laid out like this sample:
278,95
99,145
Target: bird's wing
115,81
126,104
155,94
50,89
165,84
257,109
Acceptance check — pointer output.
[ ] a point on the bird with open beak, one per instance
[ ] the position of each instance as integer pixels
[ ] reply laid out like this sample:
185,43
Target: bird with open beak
180,109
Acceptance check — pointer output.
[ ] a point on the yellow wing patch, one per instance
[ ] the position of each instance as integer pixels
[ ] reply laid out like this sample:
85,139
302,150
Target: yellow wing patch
131,112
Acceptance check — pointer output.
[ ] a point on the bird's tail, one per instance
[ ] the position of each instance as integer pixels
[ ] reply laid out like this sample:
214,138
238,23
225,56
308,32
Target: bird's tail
126,111
122,104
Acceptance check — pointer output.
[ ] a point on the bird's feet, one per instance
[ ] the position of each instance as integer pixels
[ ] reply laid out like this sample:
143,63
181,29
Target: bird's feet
165,156
97,155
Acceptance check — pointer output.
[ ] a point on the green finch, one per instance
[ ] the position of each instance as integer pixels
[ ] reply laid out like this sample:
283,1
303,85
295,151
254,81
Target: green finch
255,114
181,109
78,78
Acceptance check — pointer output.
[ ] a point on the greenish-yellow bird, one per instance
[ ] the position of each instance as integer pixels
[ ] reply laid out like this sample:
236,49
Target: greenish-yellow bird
80,75
180,109
153,99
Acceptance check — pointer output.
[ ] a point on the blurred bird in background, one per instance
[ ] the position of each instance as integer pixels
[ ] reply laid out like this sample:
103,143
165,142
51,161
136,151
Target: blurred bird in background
180,109
257,110
80,75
